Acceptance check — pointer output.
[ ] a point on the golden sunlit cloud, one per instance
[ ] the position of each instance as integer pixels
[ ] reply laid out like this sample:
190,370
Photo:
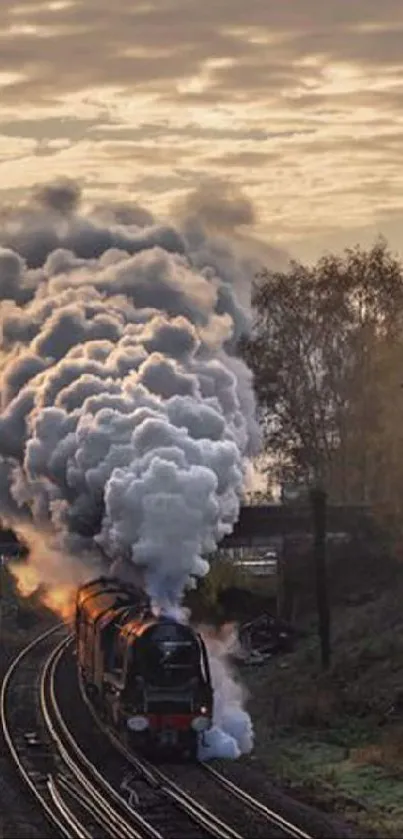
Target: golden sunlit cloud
301,108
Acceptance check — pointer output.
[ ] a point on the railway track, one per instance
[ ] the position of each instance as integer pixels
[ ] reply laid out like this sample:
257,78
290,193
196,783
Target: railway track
271,825
68,797
31,752
112,814
269,819
160,808
92,787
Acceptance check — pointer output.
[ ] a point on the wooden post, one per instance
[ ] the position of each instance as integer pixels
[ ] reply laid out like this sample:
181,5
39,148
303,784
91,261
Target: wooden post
318,501
285,593
287,605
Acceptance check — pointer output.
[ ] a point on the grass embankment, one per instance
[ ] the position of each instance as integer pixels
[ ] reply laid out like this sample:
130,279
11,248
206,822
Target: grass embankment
336,738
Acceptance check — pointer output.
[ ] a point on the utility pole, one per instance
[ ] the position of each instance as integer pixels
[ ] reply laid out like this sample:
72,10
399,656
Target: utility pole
319,503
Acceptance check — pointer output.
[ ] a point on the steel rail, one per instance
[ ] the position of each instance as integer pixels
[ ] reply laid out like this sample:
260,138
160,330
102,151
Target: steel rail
126,828
70,787
291,830
69,828
81,832
196,811
171,789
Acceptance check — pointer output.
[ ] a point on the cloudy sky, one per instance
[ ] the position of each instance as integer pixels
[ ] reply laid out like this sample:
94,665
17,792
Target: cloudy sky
296,103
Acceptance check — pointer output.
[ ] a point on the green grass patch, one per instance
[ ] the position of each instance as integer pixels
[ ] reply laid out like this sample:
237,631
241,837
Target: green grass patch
335,739
329,775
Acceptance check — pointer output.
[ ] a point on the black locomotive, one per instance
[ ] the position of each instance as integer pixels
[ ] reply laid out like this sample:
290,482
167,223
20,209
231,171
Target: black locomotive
147,676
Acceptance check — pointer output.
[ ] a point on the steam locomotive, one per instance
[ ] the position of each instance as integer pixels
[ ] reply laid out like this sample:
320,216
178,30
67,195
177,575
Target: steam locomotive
148,677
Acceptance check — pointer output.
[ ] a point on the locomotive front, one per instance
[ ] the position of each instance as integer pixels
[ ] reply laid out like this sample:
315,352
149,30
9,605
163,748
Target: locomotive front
168,696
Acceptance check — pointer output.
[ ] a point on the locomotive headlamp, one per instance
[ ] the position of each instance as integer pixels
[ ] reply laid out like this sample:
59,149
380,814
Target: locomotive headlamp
203,709
200,724
137,723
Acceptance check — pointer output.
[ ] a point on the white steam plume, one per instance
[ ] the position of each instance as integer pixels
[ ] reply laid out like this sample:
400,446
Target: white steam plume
127,419
232,732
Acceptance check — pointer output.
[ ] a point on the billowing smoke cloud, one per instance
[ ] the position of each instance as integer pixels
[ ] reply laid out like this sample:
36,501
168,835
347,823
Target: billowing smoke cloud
127,419
217,205
51,220
228,215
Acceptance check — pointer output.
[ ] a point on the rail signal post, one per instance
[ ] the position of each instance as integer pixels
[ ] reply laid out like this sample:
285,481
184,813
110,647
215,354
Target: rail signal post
319,504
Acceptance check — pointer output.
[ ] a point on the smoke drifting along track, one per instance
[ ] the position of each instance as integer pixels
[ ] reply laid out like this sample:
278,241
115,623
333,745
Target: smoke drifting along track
127,419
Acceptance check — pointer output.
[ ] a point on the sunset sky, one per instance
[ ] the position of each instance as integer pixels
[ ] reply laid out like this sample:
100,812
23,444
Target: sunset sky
296,103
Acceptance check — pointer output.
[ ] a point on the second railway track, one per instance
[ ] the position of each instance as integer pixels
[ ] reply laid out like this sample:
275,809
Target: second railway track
66,796
25,734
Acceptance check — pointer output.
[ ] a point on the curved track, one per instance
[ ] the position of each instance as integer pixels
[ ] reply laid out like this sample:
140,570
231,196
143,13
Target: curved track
272,824
91,787
167,811
269,820
289,830
64,793
91,791
31,755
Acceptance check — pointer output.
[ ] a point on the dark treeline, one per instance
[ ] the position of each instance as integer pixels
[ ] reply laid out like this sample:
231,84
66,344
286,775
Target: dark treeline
327,354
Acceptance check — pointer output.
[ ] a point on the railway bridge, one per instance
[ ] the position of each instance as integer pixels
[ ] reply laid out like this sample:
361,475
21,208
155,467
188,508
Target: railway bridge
262,525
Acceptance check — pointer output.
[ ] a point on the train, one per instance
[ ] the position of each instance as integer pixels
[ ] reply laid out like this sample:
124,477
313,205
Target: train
146,676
